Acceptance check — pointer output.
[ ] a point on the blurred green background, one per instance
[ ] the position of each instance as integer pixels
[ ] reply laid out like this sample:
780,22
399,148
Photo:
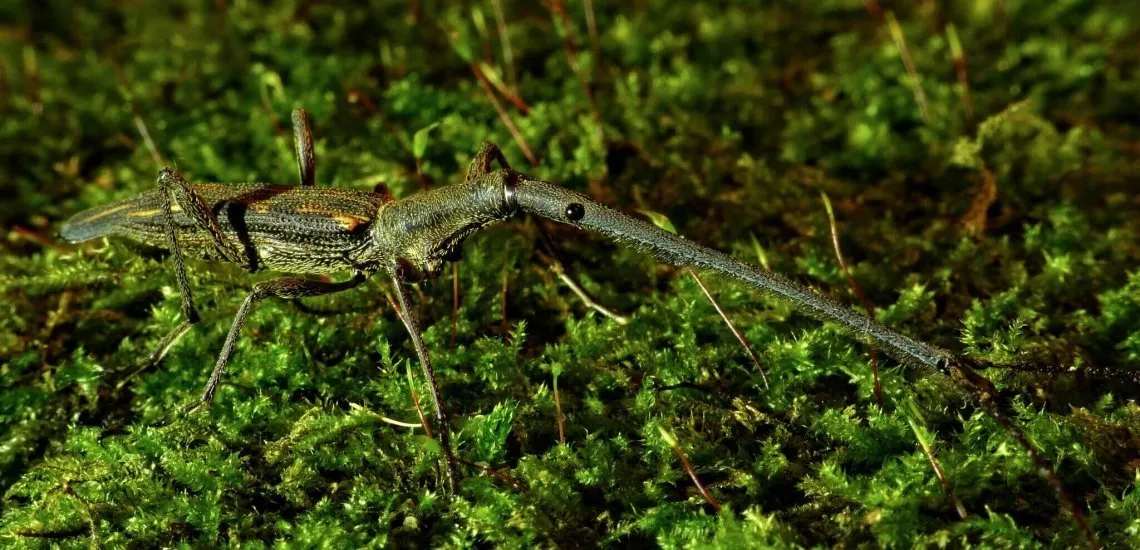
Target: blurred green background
980,156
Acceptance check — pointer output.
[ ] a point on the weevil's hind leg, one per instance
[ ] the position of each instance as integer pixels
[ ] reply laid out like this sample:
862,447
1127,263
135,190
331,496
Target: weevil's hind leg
303,147
481,164
409,319
288,288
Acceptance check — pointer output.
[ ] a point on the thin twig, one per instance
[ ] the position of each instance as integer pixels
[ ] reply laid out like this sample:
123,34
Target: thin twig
505,40
491,76
141,125
558,266
505,117
416,401
5,90
920,434
38,238
858,292
875,10
908,61
503,305
558,412
454,303
672,441
518,484
586,299
558,13
595,45
958,56
739,337
32,76
400,423
408,370
965,373
761,254
1044,469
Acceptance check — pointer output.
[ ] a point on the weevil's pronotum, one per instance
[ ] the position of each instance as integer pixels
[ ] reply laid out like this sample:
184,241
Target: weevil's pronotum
307,229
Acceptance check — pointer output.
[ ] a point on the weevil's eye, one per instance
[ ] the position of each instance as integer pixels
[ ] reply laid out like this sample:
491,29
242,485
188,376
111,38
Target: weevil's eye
575,211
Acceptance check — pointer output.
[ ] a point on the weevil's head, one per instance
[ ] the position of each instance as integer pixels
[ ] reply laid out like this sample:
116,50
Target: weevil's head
424,232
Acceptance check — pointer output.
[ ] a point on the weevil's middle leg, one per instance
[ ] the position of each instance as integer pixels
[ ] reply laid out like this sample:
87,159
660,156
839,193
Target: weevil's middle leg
303,147
409,319
287,288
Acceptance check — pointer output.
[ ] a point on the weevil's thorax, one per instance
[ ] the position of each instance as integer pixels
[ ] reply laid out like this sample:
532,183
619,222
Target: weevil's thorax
425,231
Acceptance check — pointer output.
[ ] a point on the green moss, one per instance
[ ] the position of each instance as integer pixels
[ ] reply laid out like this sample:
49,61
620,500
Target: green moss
728,119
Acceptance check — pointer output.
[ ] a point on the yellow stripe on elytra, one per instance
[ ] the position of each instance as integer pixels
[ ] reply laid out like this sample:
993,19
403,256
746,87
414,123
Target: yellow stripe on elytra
153,212
107,212
348,222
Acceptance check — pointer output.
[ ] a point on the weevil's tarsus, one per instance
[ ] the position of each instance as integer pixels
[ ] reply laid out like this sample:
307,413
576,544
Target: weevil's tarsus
303,148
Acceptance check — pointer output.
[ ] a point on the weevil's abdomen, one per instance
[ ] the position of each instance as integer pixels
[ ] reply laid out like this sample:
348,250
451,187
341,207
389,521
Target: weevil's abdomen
279,227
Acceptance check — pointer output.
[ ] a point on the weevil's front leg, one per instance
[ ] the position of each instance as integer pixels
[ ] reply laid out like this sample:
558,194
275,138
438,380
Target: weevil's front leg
303,147
409,319
287,288
481,164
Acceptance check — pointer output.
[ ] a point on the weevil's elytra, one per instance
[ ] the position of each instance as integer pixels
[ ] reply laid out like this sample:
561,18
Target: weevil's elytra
307,229
282,225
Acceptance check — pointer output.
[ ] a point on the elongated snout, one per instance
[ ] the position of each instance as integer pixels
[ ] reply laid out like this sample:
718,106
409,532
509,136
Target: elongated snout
550,201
